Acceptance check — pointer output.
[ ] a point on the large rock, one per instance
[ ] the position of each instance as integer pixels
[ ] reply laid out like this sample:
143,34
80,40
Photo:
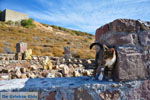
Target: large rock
28,54
122,25
67,52
21,47
130,65
82,94
131,39
119,39
51,96
144,38
107,95
79,88
65,70
47,64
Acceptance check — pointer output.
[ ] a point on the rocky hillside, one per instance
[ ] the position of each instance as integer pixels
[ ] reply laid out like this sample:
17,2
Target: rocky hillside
46,40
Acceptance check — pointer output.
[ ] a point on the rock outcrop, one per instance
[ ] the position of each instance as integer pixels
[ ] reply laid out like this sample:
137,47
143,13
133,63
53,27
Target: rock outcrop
131,39
28,54
122,25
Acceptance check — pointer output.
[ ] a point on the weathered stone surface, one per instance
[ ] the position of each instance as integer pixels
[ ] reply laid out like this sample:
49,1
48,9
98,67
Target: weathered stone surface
50,75
89,61
82,94
122,25
4,77
76,73
33,67
18,56
100,31
130,65
131,39
23,76
58,74
31,75
87,72
28,54
65,70
75,65
79,88
119,39
51,96
21,47
47,64
23,70
107,95
141,92
67,53
144,38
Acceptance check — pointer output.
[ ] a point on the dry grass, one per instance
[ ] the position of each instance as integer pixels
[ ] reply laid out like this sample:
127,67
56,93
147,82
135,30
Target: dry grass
46,42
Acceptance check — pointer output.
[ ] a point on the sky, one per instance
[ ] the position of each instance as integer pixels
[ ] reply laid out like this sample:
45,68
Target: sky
83,15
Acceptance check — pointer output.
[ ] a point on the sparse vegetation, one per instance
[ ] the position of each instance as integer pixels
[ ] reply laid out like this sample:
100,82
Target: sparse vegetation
28,23
73,32
10,22
46,42
17,23
0,11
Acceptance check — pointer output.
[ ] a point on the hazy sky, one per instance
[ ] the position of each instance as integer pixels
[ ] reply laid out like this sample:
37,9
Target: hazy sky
83,15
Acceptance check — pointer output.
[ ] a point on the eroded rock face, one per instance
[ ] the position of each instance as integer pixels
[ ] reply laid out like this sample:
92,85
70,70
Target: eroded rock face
82,94
28,54
144,38
130,64
119,39
107,95
131,39
123,25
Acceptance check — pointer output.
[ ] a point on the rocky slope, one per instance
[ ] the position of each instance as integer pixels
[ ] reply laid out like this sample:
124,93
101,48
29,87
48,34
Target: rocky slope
46,40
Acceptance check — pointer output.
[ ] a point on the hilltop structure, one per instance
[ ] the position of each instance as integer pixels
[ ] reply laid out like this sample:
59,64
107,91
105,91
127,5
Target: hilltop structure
8,15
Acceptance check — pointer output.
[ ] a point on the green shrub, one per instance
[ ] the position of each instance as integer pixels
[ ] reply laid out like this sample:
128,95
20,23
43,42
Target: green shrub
0,11
17,23
45,24
10,22
28,23
72,32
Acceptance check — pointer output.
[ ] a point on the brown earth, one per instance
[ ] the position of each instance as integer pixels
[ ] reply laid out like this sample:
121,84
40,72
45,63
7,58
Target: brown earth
46,40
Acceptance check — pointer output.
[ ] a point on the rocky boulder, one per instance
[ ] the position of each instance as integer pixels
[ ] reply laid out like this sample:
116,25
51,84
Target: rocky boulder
123,25
28,54
130,64
131,39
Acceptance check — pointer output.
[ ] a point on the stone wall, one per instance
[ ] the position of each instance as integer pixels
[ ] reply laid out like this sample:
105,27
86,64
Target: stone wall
7,56
78,88
131,39
12,15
